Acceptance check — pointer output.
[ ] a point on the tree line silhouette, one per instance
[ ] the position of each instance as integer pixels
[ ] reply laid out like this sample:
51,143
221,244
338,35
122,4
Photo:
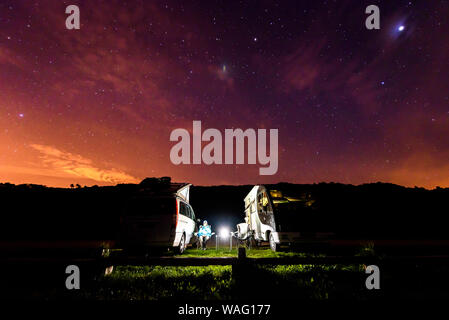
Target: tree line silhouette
375,210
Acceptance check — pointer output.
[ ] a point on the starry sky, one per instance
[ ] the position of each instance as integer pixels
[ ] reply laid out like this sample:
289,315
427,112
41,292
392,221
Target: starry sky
97,105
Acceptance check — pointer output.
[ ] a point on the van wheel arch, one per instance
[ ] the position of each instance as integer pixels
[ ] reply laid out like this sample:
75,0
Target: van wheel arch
267,235
182,244
273,245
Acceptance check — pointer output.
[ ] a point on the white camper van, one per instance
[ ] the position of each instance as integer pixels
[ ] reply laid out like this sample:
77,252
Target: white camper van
159,216
277,218
259,218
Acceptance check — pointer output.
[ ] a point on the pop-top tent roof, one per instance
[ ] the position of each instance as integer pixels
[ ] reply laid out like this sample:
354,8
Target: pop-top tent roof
164,185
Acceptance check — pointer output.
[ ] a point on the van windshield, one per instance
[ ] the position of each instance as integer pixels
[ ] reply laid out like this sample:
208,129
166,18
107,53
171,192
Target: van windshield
151,205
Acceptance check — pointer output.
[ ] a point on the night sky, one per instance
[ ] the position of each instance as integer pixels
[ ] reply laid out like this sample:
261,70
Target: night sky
97,105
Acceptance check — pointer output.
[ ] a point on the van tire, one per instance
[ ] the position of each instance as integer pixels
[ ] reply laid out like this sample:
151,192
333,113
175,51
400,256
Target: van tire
182,245
273,245
253,242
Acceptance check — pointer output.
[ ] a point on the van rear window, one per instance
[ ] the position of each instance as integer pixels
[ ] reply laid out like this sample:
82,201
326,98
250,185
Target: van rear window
150,206
184,210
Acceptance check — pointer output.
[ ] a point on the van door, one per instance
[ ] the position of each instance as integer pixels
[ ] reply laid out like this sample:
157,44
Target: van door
255,223
266,215
148,220
191,223
183,217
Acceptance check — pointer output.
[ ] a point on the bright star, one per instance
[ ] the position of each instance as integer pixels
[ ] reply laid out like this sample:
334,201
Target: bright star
401,28
21,115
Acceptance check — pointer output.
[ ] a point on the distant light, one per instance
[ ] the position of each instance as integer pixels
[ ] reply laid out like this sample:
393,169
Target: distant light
224,233
401,28
382,82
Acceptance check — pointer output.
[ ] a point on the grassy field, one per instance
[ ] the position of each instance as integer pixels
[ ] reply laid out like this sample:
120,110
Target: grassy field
255,253
261,283
219,282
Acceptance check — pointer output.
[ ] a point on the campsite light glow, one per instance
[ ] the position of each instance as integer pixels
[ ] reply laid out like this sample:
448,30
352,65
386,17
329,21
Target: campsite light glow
224,232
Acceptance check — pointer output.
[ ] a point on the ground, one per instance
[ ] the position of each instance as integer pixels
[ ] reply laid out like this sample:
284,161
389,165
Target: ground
260,282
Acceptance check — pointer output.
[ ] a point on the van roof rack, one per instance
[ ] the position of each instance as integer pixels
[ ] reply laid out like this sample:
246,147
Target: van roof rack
155,181
164,185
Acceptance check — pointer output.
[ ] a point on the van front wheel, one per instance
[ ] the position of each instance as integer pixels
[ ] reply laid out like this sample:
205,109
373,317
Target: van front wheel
273,245
182,245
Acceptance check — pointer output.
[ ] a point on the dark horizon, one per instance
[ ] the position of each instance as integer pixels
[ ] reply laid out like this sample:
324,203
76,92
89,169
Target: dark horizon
232,185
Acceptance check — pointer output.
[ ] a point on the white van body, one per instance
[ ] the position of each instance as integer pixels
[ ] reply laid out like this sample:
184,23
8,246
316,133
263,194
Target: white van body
259,218
160,217
186,221
271,215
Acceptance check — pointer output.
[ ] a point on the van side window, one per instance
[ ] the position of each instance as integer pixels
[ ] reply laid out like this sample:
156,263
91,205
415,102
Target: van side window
183,209
192,214
265,210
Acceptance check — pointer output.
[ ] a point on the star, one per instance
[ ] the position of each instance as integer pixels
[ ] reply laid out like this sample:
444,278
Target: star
401,28
21,115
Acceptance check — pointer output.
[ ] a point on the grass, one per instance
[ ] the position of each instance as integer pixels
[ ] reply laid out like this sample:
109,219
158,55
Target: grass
159,283
255,253
211,253
257,282
218,282
267,253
